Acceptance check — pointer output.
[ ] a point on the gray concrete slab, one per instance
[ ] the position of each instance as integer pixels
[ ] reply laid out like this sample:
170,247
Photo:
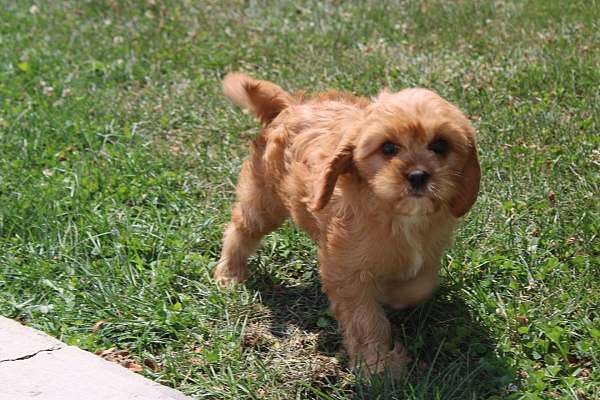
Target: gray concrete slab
32,341
34,365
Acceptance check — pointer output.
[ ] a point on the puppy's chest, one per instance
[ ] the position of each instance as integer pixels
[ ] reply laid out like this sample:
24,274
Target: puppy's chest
401,255
397,251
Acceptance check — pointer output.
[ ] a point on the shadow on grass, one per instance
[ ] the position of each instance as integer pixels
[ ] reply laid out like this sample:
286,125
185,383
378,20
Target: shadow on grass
302,306
452,353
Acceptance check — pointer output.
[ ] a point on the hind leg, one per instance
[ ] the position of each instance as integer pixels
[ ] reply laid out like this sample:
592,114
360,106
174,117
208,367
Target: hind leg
257,212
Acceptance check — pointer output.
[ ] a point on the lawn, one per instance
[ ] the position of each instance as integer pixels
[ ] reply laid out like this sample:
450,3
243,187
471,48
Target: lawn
119,156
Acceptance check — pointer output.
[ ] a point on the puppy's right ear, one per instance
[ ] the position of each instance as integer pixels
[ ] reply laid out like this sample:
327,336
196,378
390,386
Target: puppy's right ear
264,99
468,184
340,163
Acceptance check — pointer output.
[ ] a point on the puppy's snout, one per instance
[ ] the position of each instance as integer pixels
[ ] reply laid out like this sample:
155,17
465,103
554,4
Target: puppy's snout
418,179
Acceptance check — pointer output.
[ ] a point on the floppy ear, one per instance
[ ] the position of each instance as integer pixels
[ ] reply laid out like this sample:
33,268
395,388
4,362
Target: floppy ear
468,184
337,165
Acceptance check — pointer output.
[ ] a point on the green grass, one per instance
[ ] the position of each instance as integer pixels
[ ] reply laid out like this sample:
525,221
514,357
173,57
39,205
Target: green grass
119,156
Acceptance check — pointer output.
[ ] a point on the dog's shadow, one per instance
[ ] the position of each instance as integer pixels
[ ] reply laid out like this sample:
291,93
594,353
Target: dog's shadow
299,306
453,354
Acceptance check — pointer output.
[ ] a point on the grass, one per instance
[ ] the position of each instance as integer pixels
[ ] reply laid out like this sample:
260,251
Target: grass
119,157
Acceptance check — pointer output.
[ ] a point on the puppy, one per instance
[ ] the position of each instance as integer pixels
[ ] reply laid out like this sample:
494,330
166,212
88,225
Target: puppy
379,185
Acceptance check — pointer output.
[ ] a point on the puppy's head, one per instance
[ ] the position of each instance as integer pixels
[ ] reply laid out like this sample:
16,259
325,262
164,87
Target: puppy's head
415,151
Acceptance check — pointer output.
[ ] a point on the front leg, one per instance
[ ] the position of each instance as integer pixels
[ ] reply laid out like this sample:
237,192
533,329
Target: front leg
400,294
366,329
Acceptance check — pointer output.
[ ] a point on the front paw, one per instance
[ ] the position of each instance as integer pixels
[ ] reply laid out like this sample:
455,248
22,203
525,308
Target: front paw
393,362
227,274
397,360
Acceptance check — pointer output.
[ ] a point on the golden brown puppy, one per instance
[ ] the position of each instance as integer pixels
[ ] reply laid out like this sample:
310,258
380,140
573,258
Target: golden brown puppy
378,185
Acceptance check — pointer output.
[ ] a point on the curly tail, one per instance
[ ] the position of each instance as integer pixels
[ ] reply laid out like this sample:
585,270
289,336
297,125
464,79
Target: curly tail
264,99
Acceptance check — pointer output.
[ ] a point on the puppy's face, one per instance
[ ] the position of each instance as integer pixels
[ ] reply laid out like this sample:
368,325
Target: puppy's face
417,153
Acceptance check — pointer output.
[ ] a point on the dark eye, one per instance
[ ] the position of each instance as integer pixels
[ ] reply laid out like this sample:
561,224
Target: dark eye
439,146
389,149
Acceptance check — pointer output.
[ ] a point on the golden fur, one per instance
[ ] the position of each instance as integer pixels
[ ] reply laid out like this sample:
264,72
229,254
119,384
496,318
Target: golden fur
321,162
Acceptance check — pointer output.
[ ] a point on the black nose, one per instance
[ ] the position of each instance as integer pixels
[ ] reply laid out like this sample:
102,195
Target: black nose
418,179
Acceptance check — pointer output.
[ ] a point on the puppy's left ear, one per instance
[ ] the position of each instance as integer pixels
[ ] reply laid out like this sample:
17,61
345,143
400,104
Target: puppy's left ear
340,163
468,184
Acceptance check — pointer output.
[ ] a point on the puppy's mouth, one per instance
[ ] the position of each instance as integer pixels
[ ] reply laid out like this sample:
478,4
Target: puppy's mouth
417,203
419,194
